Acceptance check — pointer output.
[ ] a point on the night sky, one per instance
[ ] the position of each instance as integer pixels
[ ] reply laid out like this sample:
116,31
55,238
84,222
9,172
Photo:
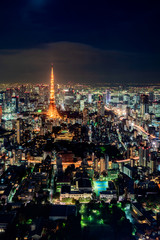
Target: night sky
87,41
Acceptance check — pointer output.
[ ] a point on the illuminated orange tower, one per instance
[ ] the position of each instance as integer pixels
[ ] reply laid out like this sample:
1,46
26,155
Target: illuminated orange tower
52,112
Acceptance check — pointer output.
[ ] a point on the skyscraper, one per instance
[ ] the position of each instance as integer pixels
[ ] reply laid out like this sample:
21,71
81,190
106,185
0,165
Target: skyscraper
100,108
19,129
89,98
0,114
106,97
14,105
144,104
85,116
52,112
143,156
102,165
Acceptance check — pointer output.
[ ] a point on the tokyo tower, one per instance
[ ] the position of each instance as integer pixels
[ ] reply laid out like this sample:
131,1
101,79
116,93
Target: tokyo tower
52,111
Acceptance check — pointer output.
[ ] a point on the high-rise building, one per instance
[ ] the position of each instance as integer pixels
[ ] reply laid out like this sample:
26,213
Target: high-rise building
22,91
0,114
52,112
89,98
140,156
26,98
143,156
106,97
153,162
14,104
19,130
2,97
85,116
69,97
104,163
81,105
96,164
8,95
144,104
156,108
146,156
93,156
100,107
126,99
151,96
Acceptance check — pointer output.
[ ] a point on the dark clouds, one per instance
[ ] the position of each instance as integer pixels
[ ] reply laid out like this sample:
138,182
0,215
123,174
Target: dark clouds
102,40
74,62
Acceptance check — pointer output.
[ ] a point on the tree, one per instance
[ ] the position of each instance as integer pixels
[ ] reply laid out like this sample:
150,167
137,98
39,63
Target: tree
56,130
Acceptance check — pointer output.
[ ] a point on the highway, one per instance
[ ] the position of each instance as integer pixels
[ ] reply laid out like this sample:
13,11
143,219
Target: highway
139,128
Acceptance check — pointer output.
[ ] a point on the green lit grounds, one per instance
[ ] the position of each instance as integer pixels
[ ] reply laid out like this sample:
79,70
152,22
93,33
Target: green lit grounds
101,219
100,186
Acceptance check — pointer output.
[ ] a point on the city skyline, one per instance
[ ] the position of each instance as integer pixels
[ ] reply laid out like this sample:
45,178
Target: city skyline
106,43
79,120
90,169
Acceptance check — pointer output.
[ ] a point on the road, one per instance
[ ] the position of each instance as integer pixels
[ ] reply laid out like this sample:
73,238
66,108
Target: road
139,128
